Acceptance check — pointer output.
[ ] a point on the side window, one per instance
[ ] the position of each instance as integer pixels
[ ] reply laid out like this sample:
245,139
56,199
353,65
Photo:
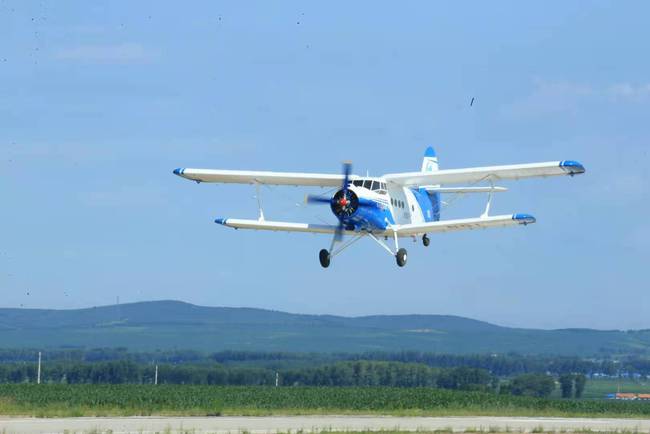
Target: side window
367,184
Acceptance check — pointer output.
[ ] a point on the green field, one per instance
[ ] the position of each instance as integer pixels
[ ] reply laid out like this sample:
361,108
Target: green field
598,389
103,400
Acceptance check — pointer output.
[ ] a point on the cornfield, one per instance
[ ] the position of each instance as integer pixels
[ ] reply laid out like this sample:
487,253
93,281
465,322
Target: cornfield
148,399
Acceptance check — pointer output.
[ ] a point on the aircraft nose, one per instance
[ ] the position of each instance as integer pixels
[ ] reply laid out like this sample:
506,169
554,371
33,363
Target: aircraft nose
178,171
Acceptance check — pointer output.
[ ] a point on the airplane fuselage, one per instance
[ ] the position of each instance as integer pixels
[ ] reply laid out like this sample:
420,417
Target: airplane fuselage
383,205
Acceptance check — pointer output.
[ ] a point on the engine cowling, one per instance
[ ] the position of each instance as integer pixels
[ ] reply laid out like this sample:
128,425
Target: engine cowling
344,203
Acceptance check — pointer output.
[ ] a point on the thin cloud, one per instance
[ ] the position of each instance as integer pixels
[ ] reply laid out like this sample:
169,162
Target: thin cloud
567,98
125,196
119,53
628,91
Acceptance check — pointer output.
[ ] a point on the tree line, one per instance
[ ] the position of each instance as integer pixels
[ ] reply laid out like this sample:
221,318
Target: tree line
502,365
347,373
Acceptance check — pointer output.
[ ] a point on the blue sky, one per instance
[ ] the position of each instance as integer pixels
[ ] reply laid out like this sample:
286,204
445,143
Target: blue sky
100,101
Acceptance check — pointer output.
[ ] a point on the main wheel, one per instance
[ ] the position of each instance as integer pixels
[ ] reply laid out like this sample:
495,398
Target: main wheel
401,257
324,258
425,240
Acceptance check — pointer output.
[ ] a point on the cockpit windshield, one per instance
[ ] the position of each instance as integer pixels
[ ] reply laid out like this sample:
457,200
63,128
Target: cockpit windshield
378,186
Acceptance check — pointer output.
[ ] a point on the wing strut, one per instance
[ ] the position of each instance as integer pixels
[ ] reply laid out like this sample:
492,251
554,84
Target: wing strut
259,201
486,213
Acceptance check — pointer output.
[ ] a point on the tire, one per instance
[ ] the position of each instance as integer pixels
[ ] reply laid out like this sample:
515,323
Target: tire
425,240
324,258
401,257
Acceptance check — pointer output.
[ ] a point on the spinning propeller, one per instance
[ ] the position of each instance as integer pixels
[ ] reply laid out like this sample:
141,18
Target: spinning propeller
344,203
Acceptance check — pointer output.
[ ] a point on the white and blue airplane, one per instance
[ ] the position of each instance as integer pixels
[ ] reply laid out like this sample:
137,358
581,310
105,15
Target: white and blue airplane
391,206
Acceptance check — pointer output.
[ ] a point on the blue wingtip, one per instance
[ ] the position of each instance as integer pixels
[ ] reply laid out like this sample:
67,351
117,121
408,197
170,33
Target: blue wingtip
178,171
430,152
572,167
221,221
524,219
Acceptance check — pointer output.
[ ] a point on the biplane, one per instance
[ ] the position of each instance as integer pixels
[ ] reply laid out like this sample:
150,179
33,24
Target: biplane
388,207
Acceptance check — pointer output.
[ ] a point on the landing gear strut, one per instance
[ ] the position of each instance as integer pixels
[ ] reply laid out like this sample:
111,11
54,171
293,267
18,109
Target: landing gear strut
325,256
425,240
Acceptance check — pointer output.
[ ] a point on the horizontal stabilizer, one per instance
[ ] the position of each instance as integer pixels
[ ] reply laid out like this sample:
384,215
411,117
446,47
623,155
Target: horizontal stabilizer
434,189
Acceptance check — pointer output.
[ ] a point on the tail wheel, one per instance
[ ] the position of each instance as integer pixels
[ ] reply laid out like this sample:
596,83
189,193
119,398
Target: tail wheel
425,240
401,257
324,258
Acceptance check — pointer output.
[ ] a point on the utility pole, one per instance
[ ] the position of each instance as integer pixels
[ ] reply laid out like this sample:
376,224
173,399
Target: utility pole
277,378
155,376
38,375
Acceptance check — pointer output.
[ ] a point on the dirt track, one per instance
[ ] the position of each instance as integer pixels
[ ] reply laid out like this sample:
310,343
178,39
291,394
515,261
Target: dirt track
311,423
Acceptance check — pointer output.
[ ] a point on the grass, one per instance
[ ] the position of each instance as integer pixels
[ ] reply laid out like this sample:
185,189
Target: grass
57,400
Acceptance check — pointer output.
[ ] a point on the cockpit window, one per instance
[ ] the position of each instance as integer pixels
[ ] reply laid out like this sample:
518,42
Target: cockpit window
358,183
367,184
375,185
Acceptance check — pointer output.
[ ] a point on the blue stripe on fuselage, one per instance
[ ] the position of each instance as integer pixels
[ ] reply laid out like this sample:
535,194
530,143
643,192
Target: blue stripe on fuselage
426,205
435,203
370,216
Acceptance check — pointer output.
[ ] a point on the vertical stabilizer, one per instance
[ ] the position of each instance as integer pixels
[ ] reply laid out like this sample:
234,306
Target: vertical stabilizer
430,161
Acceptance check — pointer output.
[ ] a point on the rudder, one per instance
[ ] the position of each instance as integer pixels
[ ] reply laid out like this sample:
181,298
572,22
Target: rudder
430,161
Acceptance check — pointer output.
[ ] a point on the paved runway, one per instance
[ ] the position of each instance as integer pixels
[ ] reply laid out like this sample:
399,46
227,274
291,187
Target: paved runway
275,424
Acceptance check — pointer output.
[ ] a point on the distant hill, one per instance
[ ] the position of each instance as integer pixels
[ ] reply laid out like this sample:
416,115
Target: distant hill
165,325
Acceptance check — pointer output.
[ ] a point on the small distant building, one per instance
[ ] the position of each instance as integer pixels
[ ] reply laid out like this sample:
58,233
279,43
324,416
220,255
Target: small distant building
629,396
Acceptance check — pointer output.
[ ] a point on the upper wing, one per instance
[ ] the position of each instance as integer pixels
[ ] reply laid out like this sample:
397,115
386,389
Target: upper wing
463,224
256,177
478,174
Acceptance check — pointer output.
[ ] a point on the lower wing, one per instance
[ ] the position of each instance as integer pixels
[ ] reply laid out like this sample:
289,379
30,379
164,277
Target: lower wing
402,231
265,225
462,224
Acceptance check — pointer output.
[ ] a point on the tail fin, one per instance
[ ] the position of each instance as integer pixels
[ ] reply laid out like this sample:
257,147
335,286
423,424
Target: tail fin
430,161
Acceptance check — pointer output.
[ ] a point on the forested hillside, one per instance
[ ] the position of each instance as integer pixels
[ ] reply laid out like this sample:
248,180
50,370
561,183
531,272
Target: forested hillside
166,325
